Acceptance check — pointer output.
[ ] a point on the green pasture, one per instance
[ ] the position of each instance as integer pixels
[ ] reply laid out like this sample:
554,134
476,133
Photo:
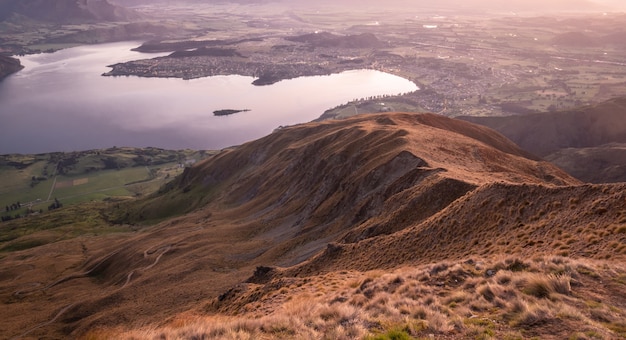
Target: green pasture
93,175
62,224
97,182
15,184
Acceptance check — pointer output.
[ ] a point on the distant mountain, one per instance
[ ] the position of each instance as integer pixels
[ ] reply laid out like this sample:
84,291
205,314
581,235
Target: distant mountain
66,11
8,66
568,138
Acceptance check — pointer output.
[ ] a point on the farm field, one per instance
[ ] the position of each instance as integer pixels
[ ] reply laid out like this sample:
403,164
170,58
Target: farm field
35,183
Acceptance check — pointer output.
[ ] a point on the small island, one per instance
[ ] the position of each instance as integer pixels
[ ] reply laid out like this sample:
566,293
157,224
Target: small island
8,66
228,112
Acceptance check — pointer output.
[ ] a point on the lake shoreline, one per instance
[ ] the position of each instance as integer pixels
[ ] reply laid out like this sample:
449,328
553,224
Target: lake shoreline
64,103
188,68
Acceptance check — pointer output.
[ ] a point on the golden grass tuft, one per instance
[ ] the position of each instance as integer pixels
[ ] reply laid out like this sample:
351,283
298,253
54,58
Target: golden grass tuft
544,286
533,315
521,297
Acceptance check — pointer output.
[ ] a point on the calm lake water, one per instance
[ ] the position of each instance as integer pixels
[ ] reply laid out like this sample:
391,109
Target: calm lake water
60,102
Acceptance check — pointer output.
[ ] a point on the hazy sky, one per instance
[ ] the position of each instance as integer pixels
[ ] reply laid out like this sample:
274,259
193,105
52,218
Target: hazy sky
537,6
614,4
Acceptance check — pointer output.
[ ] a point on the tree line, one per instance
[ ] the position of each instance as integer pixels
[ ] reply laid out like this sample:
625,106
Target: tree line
29,210
15,206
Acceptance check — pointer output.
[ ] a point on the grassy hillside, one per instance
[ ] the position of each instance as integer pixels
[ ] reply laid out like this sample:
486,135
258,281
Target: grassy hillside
512,298
383,226
585,142
605,163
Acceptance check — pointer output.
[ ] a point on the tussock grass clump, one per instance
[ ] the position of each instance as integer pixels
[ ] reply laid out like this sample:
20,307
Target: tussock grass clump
620,229
503,277
450,300
533,315
544,286
393,334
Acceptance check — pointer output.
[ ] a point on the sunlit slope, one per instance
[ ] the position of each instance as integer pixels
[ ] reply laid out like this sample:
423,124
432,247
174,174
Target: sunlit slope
508,256
317,180
497,220
275,201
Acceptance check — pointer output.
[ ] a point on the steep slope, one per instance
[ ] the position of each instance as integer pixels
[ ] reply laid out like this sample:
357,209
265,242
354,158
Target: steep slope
276,201
577,221
503,261
548,134
468,259
316,181
599,164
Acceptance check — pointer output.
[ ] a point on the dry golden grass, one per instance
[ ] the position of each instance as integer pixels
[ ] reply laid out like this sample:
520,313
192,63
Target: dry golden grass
548,298
329,203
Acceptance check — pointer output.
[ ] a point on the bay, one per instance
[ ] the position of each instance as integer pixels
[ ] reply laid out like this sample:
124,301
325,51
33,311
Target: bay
60,102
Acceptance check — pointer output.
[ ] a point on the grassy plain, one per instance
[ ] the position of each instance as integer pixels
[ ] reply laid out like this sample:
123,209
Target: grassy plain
35,181
55,226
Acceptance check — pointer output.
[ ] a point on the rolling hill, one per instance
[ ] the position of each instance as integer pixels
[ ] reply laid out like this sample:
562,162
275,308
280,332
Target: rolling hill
583,40
570,138
65,11
416,224
325,39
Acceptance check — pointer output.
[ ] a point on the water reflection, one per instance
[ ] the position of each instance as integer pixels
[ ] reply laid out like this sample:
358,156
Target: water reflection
61,103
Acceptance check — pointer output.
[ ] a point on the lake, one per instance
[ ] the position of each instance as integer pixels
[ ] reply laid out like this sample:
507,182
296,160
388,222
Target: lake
60,102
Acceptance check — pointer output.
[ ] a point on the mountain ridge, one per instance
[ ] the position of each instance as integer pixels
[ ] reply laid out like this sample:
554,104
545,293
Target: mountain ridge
66,11
370,192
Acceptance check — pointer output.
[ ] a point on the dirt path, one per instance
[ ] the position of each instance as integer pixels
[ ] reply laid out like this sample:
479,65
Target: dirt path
54,183
63,310
146,254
